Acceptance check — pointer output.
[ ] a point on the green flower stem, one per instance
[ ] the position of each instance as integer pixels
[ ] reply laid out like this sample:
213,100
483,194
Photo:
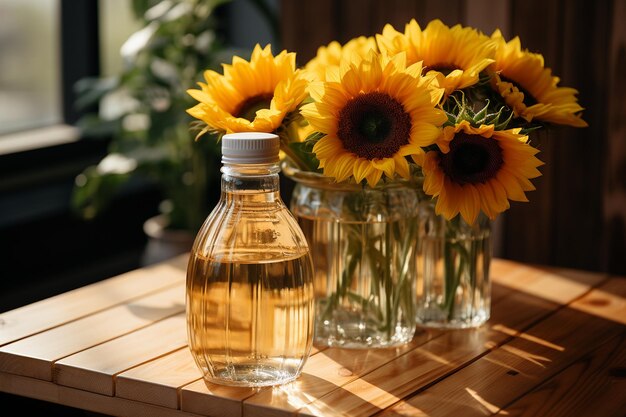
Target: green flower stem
345,278
472,271
387,280
298,162
458,262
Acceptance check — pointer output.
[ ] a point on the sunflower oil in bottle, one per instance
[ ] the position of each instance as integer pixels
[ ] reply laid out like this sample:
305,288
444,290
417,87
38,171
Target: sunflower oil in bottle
249,299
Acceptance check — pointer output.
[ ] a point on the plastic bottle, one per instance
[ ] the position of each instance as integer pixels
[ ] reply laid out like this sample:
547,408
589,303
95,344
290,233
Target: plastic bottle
250,301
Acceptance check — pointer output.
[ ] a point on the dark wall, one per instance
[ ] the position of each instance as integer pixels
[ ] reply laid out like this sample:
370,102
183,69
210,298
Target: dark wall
45,248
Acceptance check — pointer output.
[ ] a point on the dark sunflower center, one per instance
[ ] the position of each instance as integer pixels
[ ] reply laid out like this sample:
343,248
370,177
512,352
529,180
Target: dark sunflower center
247,109
529,99
472,159
373,125
444,68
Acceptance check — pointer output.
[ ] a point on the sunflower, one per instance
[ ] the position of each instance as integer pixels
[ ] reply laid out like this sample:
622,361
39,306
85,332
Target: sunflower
330,55
250,96
478,168
456,55
374,113
530,89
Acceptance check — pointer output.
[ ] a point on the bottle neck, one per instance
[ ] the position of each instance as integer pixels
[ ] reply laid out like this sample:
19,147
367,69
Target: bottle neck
248,179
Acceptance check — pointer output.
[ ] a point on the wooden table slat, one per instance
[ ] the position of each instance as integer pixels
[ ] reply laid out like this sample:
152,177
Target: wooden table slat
594,385
326,371
34,355
158,381
315,383
72,397
212,399
559,285
63,308
202,395
94,369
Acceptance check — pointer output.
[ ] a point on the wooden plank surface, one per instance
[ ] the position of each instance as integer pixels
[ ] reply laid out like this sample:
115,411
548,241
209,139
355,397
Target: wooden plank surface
159,381
433,361
593,385
34,356
425,365
94,369
559,285
439,357
201,395
215,400
85,400
505,374
63,308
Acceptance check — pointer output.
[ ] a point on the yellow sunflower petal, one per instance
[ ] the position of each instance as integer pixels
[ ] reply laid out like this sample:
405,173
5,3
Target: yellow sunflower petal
387,165
327,147
470,206
362,168
402,166
374,177
339,167
320,123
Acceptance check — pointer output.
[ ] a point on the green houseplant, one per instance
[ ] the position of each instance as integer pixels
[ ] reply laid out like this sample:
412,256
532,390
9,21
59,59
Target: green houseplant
142,111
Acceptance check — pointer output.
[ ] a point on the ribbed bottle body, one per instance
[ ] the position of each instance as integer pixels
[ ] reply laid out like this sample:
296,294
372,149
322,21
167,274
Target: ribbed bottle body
250,301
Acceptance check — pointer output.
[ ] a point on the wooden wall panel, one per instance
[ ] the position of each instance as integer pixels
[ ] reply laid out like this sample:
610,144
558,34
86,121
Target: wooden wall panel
528,227
497,17
579,191
307,25
562,224
614,244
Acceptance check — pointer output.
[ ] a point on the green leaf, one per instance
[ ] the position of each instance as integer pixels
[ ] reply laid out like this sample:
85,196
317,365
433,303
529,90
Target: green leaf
93,127
94,191
90,91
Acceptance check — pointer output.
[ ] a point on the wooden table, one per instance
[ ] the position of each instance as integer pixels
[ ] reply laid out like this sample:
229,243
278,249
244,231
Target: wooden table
555,346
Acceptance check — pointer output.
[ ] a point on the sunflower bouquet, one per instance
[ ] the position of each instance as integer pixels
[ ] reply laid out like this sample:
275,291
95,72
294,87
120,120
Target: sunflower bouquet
447,111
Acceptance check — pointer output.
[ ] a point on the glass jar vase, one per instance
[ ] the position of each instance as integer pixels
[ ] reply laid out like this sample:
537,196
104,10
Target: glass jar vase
453,259
363,241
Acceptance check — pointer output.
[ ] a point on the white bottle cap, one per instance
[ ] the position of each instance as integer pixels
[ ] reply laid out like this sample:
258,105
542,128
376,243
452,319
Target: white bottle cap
250,148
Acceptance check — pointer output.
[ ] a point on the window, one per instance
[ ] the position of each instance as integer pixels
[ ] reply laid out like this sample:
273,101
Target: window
30,95
45,47
117,22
